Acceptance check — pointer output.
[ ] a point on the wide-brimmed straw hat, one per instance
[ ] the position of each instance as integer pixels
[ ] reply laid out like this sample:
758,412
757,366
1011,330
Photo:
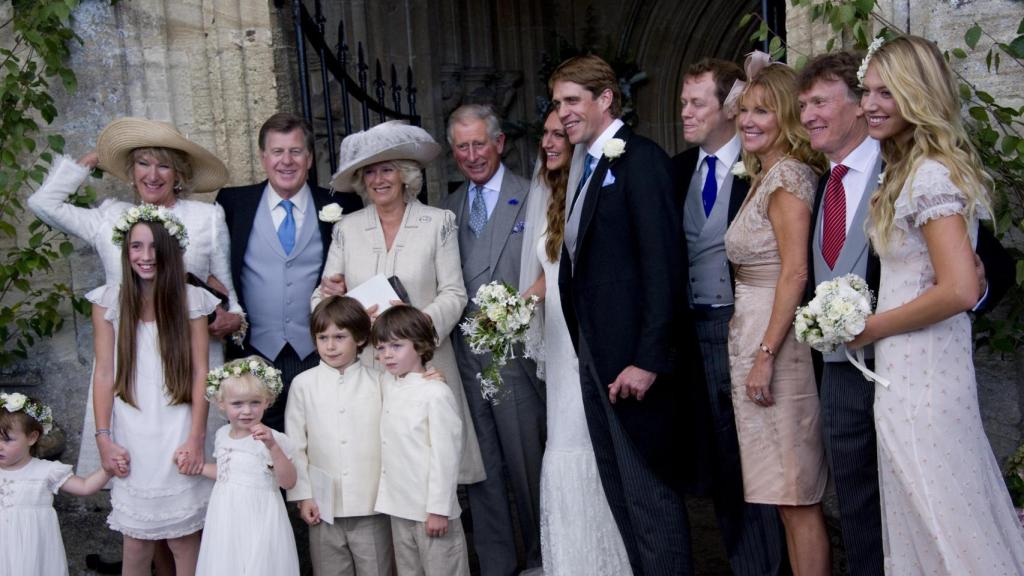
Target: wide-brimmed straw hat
123,135
394,140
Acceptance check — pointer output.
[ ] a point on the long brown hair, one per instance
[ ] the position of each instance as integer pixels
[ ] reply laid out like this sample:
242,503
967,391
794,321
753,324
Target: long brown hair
171,307
557,181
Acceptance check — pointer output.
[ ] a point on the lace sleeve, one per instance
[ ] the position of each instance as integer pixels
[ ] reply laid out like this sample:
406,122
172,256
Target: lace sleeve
930,195
220,259
794,177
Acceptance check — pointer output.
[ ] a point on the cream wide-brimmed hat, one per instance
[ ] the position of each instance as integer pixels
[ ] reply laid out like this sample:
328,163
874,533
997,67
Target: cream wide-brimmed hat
394,140
123,135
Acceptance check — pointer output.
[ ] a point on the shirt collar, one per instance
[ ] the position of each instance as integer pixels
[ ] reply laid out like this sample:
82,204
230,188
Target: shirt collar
597,149
348,371
730,152
495,182
862,158
300,200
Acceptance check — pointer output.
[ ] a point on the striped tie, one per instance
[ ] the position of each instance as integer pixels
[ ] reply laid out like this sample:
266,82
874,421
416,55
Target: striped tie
834,233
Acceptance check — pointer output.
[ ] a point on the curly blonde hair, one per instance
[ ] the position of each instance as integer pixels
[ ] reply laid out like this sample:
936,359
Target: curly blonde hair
922,85
775,88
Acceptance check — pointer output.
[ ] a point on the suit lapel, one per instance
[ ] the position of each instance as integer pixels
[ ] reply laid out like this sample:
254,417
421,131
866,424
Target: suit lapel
594,189
321,198
244,218
511,200
740,189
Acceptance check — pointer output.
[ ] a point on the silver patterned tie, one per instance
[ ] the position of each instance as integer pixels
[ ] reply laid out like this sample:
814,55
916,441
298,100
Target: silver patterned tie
478,212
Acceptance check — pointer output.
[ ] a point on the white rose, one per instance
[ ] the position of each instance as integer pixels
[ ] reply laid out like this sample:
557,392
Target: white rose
330,213
15,402
238,370
739,170
614,148
134,212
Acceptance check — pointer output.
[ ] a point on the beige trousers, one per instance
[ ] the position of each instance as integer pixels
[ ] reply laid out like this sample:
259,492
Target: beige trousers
354,546
417,554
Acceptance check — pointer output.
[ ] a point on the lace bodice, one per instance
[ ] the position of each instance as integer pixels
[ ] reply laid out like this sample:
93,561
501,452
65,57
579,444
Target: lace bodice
750,239
33,485
246,461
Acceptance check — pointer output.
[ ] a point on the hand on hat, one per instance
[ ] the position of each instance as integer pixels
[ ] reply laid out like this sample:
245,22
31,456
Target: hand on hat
90,160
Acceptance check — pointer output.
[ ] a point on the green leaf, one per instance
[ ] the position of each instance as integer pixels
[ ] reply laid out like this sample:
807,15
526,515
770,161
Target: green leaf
985,97
1016,48
1020,27
801,61
959,53
1009,144
972,36
830,44
745,20
847,14
864,7
66,248
965,91
56,141
775,45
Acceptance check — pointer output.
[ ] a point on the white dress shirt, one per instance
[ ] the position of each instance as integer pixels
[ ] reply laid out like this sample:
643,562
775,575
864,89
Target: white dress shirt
333,420
491,191
302,200
421,443
860,161
727,156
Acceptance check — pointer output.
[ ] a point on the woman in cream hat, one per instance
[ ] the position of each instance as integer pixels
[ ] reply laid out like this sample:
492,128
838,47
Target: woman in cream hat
160,165
396,235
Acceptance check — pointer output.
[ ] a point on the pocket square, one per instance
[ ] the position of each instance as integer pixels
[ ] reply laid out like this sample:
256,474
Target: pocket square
609,179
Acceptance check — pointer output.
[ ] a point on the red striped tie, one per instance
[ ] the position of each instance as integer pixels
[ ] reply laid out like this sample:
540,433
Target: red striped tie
834,234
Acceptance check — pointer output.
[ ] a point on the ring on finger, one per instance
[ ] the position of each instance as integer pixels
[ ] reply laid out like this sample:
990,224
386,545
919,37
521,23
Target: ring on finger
759,397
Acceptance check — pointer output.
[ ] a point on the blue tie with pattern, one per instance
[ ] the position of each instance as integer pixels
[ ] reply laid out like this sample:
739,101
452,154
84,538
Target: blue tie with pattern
588,169
286,231
710,191
478,212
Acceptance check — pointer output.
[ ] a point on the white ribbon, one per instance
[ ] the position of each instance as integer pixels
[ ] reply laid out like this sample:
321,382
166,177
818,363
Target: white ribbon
858,362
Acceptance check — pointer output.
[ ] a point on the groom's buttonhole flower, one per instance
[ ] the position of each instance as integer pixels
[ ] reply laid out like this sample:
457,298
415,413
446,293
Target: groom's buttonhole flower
330,213
614,148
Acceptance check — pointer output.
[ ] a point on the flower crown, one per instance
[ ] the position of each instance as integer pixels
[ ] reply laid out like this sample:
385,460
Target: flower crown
267,374
150,213
18,402
872,48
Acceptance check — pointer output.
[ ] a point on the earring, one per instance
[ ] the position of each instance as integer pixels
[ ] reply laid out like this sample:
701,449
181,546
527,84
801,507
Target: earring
177,186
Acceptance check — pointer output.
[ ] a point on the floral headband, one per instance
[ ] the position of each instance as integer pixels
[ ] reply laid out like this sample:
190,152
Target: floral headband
755,62
268,375
150,213
17,402
863,70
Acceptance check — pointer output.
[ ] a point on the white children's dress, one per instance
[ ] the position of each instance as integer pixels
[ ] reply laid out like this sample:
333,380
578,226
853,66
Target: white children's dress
154,501
247,529
30,541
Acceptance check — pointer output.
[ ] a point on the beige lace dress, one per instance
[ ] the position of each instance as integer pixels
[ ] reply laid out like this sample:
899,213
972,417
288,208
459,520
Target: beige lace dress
781,448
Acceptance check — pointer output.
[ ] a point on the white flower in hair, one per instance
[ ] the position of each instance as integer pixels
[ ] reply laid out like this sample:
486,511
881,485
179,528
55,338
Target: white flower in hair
614,148
150,213
863,70
265,373
15,401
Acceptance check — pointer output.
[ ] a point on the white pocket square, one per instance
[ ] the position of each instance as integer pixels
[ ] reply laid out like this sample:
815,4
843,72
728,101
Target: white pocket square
609,179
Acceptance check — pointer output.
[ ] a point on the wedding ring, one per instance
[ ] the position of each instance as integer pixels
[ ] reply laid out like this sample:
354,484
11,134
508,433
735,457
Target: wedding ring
758,397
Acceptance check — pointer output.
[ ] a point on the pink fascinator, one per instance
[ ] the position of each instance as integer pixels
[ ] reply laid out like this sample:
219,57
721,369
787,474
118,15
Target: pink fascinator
755,62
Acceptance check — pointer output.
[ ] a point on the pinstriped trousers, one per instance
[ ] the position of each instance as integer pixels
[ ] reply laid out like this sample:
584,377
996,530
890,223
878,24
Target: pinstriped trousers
847,412
752,533
651,516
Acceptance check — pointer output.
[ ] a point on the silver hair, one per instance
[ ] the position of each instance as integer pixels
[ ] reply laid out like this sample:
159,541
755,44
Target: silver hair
409,171
470,112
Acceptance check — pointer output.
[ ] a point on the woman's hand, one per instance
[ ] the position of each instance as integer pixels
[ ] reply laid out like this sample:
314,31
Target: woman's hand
865,337
114,458
225,324
90,160
374,311
759,380
189,456
333,285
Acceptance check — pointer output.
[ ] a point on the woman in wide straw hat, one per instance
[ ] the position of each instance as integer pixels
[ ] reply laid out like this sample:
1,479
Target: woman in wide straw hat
396,235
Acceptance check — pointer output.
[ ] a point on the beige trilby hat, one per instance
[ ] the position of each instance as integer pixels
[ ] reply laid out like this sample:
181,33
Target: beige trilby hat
123,135
394,140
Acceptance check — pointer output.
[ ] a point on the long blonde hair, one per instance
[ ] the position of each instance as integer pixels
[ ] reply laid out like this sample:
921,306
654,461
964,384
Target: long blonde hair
778,91
926,95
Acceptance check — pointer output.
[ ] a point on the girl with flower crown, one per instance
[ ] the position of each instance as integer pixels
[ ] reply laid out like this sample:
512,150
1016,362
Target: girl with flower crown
148,385
30,541
945,506
247,529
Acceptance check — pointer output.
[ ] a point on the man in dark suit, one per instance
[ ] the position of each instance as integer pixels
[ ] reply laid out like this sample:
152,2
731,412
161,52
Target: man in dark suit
622,283
709,197
490,209
278,249
830,110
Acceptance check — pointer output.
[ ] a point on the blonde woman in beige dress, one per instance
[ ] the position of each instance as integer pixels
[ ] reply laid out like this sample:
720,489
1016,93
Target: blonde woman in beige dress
773,386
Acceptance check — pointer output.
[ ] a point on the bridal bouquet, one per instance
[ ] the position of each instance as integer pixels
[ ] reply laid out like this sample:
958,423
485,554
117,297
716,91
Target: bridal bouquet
835,315
498,325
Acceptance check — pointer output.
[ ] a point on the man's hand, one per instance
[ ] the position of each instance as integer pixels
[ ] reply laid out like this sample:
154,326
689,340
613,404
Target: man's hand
632,381
333,286
226,323
979,271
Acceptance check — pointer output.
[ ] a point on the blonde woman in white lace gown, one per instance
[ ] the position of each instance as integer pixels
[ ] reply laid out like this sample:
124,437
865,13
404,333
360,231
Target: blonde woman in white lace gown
945,506
577,531
208,252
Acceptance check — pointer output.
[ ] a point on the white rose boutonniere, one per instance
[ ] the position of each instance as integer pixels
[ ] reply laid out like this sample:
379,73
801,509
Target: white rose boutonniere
739,170
881,178
614,148
330,213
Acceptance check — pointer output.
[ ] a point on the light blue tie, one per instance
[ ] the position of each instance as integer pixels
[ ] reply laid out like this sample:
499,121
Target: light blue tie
286,231
478,212
588,169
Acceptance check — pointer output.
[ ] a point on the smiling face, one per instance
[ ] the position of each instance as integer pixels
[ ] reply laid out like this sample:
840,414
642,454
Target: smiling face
557,151
15,447
584,116
154,180
759,126
883,114
399,357
142,251
286,161
383,182
704,121
476,153
243,406
337,348
833,118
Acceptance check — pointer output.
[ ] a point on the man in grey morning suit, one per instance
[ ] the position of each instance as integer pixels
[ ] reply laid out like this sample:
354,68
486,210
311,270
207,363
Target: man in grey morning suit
710,197
489,209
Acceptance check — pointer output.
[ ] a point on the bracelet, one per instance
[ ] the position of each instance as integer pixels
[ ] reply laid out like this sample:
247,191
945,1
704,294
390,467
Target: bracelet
102,431
764,348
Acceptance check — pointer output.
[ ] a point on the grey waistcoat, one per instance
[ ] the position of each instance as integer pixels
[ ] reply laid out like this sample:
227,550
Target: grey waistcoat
705,242
277,287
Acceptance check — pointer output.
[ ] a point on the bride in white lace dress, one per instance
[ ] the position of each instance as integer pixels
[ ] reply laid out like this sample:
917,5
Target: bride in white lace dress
945,506
577,530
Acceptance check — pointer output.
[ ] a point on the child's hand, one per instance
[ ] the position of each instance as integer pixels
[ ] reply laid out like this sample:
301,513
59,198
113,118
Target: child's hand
437,525
189,457
309,512
434,374
263,434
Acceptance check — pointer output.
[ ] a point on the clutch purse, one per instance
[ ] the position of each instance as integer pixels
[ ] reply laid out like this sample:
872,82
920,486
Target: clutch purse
194,280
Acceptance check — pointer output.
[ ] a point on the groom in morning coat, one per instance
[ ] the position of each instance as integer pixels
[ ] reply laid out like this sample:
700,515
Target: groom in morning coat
622,282
830,110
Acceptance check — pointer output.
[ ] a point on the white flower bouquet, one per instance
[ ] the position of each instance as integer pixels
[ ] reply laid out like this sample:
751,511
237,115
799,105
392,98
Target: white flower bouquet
835,315
496,328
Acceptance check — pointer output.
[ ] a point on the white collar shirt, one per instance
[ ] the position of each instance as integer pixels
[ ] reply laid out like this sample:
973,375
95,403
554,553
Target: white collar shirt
727,155
301,200
860,161
491,190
